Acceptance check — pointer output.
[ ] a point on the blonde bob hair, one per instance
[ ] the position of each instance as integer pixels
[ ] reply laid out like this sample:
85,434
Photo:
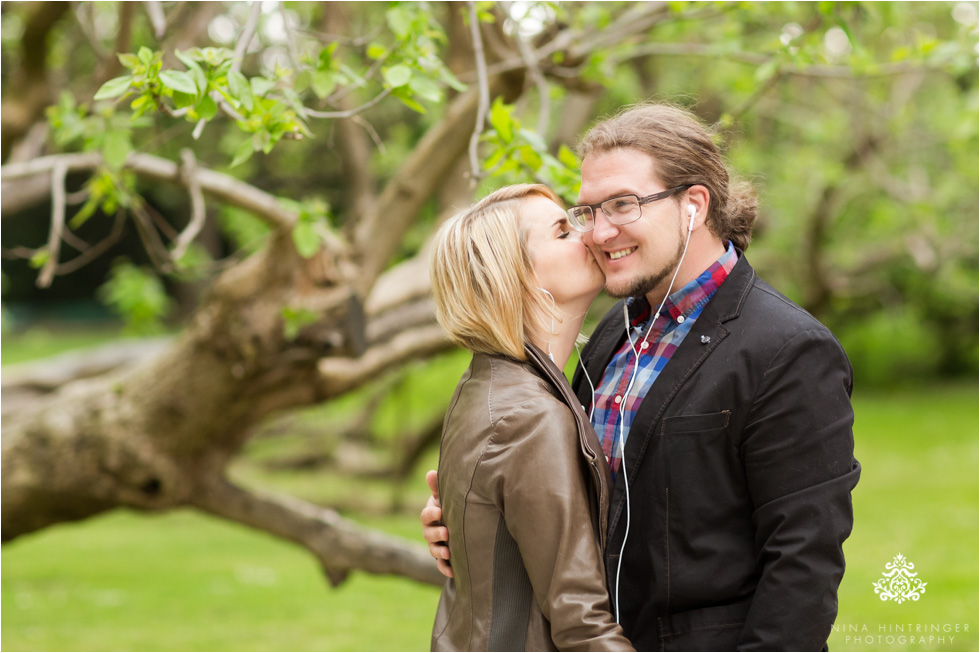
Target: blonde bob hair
487,296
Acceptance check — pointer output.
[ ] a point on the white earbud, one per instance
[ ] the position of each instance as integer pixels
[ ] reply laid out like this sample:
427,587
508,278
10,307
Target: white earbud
691,211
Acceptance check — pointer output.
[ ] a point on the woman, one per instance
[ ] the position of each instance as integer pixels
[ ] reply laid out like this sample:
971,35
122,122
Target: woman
524,488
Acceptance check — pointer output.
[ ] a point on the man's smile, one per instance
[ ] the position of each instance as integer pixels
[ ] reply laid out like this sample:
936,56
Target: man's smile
620,253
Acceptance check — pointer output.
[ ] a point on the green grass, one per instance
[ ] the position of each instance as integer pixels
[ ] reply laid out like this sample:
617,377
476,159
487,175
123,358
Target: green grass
42,341
918,497
185,581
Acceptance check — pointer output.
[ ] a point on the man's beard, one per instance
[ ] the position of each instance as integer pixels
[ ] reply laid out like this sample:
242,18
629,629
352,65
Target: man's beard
643,285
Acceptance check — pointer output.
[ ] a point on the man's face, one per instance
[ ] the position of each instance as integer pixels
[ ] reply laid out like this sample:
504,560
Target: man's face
639,257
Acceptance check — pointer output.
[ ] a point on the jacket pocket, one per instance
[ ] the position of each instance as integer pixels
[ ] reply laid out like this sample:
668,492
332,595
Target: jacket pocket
693,423
706,517
705,629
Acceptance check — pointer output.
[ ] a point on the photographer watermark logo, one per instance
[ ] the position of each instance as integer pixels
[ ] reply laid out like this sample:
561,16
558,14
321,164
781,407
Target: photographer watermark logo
899,582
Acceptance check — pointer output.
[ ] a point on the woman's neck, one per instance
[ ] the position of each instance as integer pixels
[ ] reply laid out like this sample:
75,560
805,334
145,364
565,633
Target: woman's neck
560,344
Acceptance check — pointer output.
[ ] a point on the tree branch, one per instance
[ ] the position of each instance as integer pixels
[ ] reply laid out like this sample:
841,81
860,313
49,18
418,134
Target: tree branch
49,374
154,10
378,235
338,375
241,48
339,544
198,213
349,113
96,250
484,89
18,191
58,174
758,59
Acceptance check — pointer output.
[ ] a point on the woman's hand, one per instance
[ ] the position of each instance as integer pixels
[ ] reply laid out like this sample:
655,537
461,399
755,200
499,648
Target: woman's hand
435,533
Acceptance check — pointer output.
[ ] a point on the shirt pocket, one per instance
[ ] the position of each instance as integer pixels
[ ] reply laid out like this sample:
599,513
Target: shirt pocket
695,423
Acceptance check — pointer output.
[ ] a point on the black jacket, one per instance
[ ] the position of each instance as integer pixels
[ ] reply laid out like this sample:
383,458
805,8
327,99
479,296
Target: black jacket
740,465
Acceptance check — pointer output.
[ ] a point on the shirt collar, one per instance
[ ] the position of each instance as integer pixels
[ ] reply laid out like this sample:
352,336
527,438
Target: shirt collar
692,296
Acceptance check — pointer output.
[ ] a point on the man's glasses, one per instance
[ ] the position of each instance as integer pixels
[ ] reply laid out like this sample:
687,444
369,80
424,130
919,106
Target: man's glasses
618,210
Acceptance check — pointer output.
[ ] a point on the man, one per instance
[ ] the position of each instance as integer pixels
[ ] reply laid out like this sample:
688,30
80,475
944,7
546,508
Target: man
729,414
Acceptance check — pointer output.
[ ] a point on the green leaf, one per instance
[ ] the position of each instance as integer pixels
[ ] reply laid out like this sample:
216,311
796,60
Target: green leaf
129,61
177,80
39,258
137,295
206,108
139,102
376,51
399,21
186,58
243,153
450,80
261,86
534,139
530,158
86,212
494,159
294,319
567,157
303,80
182,100
408,100
425,88
500,120
397,76
145,55
116,148
306,239
240,89
114,88
324,82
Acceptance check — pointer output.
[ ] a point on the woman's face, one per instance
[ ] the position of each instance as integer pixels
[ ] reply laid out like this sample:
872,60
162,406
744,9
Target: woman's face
562,263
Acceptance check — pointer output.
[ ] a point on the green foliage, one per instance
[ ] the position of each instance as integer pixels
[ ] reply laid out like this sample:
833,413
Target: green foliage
270,108
97,128
312,225
793,90
411,66
294,319
516,153
138,296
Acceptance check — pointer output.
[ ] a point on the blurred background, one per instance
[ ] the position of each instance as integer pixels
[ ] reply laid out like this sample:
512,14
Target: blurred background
222,380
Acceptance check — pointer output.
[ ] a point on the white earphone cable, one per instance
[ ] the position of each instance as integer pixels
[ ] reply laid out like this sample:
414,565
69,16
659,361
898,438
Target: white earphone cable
626,394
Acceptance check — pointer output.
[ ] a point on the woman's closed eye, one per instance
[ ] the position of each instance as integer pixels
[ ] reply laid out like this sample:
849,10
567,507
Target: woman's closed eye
564,234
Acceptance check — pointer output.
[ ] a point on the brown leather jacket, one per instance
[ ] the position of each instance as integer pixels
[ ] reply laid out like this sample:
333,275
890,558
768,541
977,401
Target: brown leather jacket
525,495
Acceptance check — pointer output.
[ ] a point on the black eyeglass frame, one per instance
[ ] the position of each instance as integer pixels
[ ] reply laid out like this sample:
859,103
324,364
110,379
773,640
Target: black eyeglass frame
640,201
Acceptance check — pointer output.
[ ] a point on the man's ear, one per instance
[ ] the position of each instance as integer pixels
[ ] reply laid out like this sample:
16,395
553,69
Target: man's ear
698,197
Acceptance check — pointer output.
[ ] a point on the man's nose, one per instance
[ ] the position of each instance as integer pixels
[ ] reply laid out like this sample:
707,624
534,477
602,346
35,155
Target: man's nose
603,229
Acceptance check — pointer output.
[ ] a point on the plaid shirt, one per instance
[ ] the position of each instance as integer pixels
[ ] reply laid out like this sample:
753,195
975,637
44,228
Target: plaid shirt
680,311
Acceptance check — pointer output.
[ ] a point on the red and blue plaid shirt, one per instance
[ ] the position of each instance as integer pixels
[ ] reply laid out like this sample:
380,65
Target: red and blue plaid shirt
680,311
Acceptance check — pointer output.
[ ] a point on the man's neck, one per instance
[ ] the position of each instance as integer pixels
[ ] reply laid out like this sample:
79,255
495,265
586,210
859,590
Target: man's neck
700,256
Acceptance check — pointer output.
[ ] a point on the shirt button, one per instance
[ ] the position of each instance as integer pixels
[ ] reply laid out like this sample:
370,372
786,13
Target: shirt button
644,344
680,319
618,399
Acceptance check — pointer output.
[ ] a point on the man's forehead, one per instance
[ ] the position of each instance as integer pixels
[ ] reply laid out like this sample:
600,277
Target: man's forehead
616,172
